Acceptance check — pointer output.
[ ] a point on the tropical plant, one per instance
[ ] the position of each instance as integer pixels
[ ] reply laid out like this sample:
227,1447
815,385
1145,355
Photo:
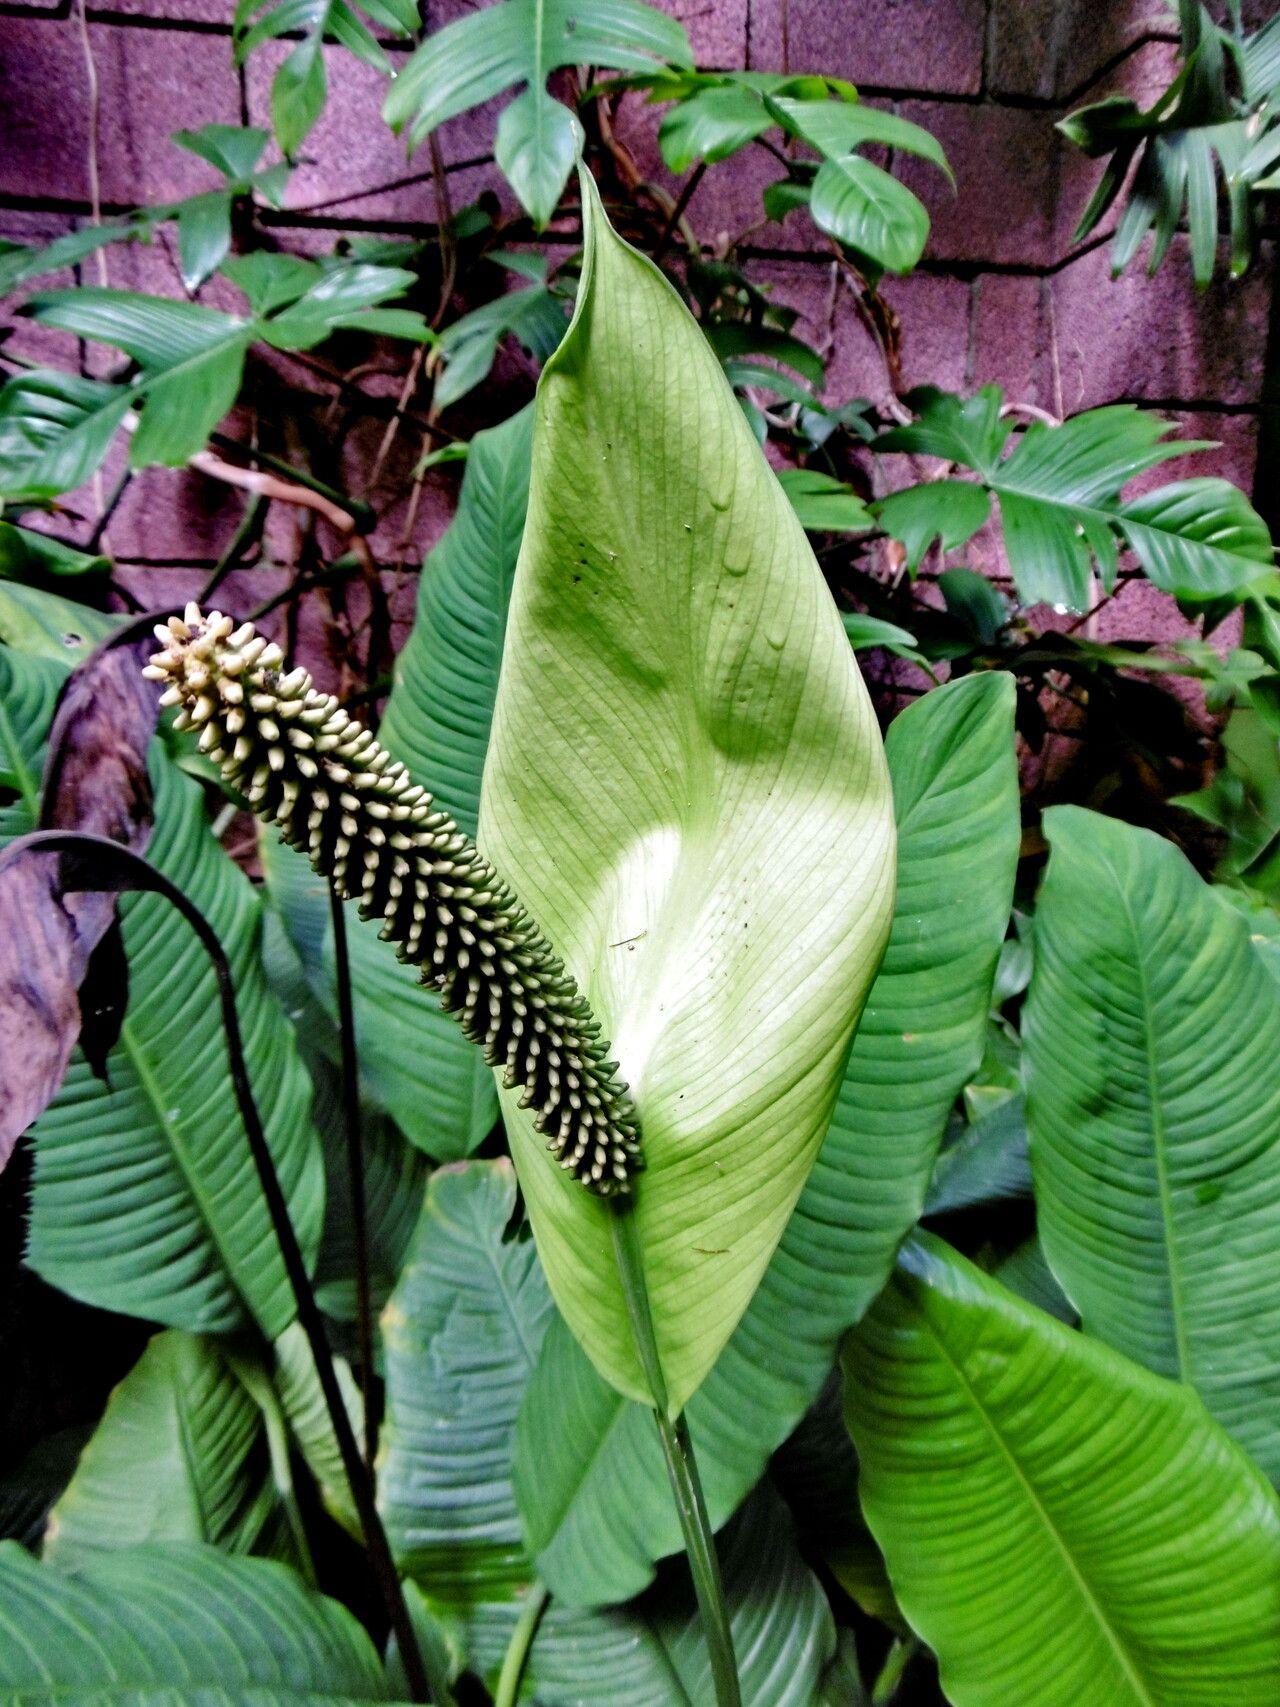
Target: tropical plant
1216,120
748,1208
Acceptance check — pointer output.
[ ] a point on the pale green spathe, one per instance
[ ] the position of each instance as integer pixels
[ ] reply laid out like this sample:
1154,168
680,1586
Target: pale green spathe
686,785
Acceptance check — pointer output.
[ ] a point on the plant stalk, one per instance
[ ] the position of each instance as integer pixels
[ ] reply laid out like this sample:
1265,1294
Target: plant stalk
355,1169
682,1467
96,863
517,1654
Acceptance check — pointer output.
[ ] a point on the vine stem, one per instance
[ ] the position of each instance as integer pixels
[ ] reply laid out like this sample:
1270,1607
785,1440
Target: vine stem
682,1467
355,1167
517,1654
98,864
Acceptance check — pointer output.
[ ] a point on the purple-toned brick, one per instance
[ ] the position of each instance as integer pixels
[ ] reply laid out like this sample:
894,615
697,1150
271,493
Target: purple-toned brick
1053,49
1157,338
1005,165
1008,338
885,44
717,30
151,82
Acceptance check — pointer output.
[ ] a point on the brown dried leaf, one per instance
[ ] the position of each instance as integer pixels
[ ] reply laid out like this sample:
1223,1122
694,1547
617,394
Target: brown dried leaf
96,781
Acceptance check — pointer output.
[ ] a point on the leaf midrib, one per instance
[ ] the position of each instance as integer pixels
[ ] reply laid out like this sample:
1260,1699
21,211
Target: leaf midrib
1036,1503
146,1077
1159,1147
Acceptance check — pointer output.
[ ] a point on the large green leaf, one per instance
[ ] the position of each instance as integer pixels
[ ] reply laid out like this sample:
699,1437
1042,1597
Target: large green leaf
653,1653
1060,1526
1059,490
176,1626
461,1333
145,1199
686,786
1152,1034
478,56
589,1476
179,1455
440,708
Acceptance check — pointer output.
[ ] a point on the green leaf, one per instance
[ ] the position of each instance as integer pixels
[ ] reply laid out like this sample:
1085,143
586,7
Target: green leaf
204,235
628,800
1198,538
950,511
837,128
461,1333
1152,1035
48,626
300,87
871,211
823,503
987,1162
26,555
55,429
441,706
1059,490
191,358
866,632
1114,1546
589,1477
711,124
155,1161
191,362
537,142
478,56
535,317
179,1455
232,148
653,1653
175,1626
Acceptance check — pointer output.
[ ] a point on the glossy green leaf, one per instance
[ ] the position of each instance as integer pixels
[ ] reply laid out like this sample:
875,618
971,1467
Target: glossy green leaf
710,125
521,42
837,128
145,1198
653,1653
179,1455
55,429
868,209
441,704
535,317
1152,1035
823,503
950,511
1061,504
460,1333
709,846
1114,1546
177,1626
588,1473
191,361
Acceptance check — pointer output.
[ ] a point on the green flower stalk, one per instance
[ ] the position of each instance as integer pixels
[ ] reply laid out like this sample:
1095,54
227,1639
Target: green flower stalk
304,764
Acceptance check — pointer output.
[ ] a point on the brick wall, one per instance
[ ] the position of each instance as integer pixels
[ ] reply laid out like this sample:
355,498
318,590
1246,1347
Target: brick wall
1002,295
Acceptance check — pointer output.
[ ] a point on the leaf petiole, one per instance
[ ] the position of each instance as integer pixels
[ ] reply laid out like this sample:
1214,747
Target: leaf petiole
682,1467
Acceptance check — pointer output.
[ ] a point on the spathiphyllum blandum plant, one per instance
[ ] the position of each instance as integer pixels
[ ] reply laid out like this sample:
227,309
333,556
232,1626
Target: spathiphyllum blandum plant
621,1175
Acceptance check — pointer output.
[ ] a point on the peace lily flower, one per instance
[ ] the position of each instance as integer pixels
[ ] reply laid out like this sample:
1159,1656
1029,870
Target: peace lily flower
686,785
